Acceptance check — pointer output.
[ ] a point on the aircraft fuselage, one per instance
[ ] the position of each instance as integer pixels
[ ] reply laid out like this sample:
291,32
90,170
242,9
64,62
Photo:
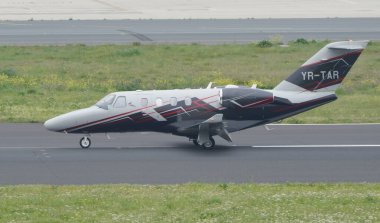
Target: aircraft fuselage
178,111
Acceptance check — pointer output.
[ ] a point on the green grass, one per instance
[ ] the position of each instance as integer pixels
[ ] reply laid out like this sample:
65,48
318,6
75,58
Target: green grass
38,82
192,203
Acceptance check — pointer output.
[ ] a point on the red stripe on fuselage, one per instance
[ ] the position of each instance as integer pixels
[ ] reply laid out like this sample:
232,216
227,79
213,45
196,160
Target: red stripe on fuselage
262,102
125,113
326,84
104,119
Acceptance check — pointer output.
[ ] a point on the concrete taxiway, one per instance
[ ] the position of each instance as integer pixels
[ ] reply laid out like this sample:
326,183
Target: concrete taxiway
185,31
285,153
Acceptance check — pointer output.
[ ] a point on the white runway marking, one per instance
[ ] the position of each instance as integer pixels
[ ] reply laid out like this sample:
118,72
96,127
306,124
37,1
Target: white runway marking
334,124
28,147
313,146
349,2
262,146
54,147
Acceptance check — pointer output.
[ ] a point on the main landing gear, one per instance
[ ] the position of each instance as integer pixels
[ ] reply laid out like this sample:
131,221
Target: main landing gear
85,142
208,144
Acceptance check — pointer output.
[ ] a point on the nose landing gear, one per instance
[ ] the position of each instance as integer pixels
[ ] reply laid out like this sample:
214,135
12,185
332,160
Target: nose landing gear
85,142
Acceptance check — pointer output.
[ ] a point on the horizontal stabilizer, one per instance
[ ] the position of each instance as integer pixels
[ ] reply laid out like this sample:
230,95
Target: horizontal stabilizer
349,45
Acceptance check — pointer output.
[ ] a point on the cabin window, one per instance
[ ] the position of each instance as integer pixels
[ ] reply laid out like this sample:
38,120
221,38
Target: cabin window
144,102
121,102
188,101
159,102
173,101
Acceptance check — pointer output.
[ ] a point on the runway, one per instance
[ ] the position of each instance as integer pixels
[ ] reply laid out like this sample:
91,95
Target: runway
285,153
203,31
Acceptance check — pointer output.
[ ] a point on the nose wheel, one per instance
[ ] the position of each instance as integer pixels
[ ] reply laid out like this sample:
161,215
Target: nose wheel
85,142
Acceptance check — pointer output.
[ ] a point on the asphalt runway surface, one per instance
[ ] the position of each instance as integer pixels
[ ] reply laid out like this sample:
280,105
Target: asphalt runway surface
29,154
210,31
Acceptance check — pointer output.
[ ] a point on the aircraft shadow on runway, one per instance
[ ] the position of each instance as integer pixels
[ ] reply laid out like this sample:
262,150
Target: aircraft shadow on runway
186,147
176,147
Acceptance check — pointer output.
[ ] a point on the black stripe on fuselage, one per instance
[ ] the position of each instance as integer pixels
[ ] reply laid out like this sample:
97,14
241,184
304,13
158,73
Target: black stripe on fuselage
139,120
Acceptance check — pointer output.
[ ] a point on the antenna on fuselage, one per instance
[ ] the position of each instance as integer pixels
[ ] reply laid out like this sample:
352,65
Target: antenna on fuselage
209,85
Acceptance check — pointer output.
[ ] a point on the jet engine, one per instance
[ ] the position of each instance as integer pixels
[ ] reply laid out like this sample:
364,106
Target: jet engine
244,97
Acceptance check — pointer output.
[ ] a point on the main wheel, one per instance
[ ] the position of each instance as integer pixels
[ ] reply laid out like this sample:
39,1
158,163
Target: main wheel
85,142
209,144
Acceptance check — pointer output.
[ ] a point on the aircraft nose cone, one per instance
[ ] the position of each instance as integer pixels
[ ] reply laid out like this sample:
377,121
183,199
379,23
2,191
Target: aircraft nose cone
51,125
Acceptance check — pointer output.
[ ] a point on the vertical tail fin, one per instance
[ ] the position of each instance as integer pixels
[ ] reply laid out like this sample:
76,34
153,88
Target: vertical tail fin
326,69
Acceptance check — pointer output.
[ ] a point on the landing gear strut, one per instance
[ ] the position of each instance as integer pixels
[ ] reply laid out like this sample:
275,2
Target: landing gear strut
85,142
206,145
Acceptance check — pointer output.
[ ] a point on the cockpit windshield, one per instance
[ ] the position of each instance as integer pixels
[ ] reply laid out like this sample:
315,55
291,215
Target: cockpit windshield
106,101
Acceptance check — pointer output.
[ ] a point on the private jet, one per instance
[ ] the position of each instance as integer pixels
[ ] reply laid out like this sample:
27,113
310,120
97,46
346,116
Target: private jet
201,114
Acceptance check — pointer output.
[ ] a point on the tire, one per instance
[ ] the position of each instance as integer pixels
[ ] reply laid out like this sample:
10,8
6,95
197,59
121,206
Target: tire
85,142
209,145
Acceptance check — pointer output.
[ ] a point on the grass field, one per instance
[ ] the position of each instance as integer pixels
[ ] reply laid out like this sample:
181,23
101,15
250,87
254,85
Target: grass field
39,82
192,203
